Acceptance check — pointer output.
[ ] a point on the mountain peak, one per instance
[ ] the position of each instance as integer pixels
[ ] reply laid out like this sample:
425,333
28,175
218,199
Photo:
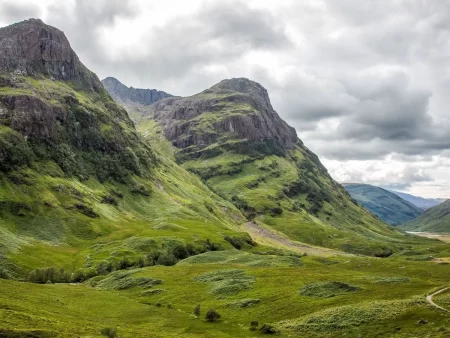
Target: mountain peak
32,48
132,96
240,84
244,86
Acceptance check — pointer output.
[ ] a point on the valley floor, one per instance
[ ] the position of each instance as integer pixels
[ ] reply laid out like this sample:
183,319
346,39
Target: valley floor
308,297
433,235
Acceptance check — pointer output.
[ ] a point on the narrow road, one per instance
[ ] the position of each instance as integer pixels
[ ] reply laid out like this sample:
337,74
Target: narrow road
430,299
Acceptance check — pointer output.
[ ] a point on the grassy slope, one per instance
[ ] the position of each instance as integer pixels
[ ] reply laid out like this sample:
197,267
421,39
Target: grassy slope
257,185
50,218
436,219
390,303
389,207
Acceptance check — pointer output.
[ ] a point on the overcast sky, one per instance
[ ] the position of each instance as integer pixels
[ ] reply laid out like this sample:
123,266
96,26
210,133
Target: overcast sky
365,83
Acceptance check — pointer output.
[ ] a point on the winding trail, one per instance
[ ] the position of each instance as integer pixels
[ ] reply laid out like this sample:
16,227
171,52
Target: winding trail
274,238
430,299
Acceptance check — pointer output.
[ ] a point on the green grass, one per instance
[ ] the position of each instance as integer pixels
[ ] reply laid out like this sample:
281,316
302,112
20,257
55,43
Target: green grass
226,282
436,219
327,289
378,309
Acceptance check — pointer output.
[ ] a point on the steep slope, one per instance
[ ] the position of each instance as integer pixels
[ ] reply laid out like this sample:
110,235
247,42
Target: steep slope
420,202
389,207
129,95
79,187
232,138
436,219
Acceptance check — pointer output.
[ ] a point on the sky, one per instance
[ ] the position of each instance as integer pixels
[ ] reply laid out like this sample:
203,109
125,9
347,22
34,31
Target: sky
365,83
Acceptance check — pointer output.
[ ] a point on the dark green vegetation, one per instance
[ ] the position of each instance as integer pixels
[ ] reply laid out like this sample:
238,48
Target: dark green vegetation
436,219
388,206
103,233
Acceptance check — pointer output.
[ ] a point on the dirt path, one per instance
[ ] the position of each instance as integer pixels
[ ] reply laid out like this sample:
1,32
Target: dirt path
430,299
273,238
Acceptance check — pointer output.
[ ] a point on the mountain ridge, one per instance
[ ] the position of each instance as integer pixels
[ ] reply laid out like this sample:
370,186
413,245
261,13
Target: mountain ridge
268,174
129,95
423,203
388,206
435,219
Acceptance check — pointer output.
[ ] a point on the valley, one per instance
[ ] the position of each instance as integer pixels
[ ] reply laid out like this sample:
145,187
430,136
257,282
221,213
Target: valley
134,213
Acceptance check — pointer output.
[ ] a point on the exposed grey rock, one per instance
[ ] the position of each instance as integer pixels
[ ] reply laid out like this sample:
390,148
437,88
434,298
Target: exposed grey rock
33,48
129,96
182,121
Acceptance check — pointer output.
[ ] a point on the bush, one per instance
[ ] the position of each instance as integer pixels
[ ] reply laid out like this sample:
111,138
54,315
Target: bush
197,310
254,325
109,332
267,329
212,315
166,259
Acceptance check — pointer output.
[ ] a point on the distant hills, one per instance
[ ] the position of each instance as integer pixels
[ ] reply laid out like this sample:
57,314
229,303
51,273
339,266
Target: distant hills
388,206
420,202
436,219
132,96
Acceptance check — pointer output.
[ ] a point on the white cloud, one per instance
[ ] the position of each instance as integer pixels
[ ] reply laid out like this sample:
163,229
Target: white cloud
365,83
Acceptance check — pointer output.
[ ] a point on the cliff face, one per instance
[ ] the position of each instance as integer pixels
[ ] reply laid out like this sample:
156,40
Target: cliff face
129,96
232,110
33,48
60,108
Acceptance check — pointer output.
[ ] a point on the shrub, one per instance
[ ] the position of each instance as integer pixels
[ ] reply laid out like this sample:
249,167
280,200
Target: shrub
197,310
166,259
212,315
254,325
109,332
268,329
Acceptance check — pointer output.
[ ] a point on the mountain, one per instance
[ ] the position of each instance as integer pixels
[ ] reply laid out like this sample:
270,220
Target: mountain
106,230
420,202
129,95
80,189
231,137
389,207
435,219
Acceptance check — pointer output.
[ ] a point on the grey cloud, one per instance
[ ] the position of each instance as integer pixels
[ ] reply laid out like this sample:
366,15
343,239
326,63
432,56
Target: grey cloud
12,12
83,21
220,33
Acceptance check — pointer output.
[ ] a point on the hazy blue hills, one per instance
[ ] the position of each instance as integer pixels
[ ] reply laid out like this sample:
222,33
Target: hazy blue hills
388,206
422,203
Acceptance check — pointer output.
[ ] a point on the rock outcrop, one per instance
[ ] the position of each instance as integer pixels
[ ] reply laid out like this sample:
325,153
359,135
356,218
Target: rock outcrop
32,48
129,96
60,108
232,110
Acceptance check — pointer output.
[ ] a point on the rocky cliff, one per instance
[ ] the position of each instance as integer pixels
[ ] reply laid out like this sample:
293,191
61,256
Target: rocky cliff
234,113
32,48
132,96
60,109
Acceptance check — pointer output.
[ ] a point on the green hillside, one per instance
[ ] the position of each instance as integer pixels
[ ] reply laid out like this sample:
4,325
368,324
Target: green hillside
436,219
389,207
107,230
80,190
230,137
